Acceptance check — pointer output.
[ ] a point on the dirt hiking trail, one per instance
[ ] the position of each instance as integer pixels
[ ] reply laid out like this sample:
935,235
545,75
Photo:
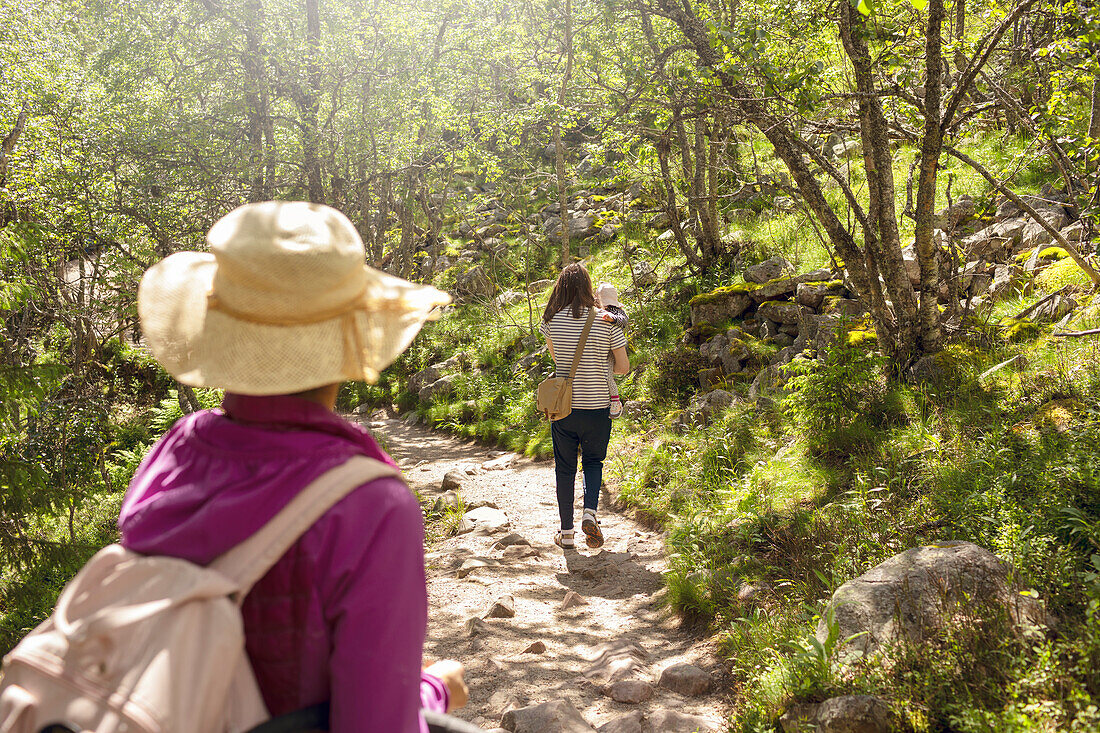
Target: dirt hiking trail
552,640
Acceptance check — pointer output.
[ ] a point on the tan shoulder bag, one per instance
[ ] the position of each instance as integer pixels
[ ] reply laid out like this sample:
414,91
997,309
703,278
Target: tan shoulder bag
554,396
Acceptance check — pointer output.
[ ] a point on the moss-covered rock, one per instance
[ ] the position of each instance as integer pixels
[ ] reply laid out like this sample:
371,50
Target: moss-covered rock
720,305
781,287
780,311
723,292
1063,272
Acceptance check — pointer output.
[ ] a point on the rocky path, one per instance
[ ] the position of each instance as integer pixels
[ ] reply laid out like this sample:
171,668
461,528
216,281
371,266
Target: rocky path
552,640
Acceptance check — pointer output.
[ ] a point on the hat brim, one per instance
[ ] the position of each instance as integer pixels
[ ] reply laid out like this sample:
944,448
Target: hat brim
205,347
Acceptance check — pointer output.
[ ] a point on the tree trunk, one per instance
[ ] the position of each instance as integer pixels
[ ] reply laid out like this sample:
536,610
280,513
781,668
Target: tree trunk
7,145
261,127
559,148
189,401
885,246
1094,116
960,34
706,163
931,330
672,211
563,193
309,104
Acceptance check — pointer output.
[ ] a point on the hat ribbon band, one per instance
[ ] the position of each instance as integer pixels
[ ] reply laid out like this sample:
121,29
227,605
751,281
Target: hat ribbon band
355,363
356,303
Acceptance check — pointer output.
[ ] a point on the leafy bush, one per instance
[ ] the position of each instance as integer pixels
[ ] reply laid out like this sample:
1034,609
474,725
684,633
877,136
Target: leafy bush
834,402
675,375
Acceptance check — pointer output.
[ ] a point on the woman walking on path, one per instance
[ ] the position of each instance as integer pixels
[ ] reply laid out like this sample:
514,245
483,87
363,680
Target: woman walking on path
279,314
588,425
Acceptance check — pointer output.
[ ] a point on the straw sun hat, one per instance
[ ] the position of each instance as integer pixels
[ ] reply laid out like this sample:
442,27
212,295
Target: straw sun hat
282,303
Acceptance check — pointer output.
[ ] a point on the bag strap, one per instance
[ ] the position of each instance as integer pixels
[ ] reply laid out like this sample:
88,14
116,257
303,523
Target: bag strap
581,343
249,561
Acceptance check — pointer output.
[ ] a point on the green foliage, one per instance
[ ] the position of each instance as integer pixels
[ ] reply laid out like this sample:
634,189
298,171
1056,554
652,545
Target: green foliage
675,375
837,403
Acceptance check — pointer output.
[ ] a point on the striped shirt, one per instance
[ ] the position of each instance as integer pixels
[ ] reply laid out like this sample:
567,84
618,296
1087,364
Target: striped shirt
590,384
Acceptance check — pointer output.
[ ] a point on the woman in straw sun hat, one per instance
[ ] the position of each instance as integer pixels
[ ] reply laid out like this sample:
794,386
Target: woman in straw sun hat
279,313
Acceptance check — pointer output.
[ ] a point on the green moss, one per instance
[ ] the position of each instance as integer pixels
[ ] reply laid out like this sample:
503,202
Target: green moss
704,331
1061,273
861,337
1018,329
773,303
1053,253
724,292
1050,253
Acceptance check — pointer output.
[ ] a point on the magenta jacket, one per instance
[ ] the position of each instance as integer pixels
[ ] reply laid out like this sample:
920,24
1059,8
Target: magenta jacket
342,615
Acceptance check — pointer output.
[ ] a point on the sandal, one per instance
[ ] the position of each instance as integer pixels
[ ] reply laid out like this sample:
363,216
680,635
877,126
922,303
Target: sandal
564,539
593,537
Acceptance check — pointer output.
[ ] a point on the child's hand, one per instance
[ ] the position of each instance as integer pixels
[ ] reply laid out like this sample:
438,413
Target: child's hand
451,672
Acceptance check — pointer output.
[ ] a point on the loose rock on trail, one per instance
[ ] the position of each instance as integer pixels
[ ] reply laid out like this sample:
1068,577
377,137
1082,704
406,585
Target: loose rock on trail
544,632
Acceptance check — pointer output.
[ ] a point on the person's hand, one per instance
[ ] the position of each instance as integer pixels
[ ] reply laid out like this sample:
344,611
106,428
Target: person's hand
451,672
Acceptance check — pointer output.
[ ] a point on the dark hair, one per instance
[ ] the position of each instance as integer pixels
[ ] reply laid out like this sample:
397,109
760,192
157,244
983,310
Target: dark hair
573,288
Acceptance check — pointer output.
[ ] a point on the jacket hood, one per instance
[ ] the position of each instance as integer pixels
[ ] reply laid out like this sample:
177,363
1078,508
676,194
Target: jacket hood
212,480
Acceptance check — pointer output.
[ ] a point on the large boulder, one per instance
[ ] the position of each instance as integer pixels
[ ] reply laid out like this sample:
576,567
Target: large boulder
1036,235
780,311
778,289
811,294
960,212
915,592
1075,232
847,149
686,679
705,409
484,518
444,386
670,721
767,270
557,716
728,349
643,274
994,242
434,372
539,286
720,305
476,282
1050,209
581,227
912,264
845,714
510,298
1005,280
1054,309
768,382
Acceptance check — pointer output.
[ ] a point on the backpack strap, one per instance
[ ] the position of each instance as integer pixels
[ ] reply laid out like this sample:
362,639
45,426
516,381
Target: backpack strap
249,561
580,344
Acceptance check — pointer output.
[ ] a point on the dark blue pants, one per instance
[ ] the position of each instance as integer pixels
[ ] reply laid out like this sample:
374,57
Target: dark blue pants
589,430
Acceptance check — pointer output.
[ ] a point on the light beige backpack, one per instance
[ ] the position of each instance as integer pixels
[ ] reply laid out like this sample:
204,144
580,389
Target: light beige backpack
156,644
554,396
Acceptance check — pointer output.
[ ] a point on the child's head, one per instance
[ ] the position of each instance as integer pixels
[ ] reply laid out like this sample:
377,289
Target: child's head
607,295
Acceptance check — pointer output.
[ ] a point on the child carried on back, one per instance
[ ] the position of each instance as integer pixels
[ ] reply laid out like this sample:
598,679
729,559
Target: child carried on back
614,314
